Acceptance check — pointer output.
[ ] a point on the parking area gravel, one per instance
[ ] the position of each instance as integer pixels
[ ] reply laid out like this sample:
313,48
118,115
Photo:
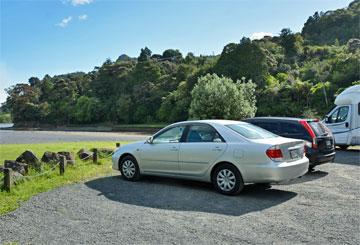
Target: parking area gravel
320,208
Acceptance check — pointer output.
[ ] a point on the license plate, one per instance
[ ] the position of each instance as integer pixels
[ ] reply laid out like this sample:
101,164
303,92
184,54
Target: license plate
294,154
328,143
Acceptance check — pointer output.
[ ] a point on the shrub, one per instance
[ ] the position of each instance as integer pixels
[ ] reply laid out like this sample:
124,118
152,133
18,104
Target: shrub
221,98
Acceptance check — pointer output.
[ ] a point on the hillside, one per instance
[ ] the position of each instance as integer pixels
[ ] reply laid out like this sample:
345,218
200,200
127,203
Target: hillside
341,25
296,74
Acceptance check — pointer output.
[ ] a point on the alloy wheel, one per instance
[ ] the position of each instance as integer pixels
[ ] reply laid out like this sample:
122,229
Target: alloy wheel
128,168
226,180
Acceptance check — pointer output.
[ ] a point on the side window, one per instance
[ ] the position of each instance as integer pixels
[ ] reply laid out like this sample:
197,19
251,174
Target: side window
343,112
359,109
202,133
269,126
333,116
339,115
172,135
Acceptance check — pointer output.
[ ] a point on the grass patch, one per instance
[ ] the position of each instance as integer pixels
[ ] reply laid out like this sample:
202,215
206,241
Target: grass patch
82,170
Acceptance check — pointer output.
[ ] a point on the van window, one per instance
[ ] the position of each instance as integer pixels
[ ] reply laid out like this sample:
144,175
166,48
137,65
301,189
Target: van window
339,115
359,109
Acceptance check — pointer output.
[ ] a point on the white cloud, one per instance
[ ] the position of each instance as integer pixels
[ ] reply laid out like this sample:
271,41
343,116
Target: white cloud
64,22
80,2
259,35
83,17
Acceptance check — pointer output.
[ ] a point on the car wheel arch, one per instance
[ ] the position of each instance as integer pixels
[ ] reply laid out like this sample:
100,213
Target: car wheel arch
123,156
222,163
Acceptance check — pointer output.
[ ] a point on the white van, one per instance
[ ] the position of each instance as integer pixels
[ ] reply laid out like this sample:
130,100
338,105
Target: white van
344,119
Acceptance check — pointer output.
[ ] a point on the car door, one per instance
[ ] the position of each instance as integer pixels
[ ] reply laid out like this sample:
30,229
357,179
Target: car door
162,154
338,121
202,146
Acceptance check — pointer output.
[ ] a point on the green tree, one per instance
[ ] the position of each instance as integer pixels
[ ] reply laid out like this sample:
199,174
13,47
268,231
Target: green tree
219,97
247,59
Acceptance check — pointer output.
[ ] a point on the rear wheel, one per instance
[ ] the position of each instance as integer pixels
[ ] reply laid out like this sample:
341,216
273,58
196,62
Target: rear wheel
227,179
129,168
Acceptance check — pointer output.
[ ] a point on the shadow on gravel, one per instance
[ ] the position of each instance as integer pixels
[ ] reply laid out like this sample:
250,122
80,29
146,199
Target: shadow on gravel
309,176
180,195
351,157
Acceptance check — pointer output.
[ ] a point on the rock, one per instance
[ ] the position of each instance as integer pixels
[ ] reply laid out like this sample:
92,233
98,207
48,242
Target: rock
50,157
70,159
29,158
16,166
84,154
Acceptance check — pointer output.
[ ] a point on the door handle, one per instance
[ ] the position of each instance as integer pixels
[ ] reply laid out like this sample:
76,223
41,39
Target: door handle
174,148
217,148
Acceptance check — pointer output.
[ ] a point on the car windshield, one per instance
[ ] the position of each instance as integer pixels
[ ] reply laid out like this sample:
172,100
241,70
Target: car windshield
251,131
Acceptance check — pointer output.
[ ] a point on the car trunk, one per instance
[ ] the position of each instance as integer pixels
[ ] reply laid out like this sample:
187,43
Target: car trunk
291,149
324,138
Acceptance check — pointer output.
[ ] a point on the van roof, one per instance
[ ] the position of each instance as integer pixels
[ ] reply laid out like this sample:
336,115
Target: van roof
349,96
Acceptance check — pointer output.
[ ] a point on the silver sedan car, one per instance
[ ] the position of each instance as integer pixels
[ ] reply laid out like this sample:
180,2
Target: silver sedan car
226,153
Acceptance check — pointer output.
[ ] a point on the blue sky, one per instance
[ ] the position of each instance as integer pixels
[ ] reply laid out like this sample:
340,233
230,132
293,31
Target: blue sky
59,36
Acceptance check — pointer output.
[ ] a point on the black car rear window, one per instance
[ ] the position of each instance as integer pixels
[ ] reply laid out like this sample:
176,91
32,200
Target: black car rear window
318,128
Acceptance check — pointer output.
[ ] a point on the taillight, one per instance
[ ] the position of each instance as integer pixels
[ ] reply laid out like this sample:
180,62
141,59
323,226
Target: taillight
311,133
274,153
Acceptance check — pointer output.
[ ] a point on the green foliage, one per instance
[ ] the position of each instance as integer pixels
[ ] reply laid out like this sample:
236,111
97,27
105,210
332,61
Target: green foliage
246,59
219,97
5,118
340,25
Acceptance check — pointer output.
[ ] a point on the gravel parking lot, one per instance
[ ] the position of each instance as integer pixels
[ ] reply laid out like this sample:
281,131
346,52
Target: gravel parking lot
320,208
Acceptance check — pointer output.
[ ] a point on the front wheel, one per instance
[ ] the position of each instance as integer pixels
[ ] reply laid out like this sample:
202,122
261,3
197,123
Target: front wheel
227,179
129,168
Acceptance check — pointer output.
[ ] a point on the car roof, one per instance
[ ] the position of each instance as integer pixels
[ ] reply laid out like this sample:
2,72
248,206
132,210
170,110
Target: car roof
279,118
211,121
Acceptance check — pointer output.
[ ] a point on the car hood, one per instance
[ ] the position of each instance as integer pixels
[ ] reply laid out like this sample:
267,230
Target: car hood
131,145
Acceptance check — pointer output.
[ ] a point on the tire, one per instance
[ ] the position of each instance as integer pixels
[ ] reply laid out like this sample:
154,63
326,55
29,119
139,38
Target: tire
129,168
229,174
343,147
311,168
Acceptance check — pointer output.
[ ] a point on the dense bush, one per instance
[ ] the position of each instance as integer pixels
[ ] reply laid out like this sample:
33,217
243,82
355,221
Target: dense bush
219,97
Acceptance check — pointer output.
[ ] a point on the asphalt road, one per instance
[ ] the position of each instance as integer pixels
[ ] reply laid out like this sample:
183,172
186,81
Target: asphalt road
320,208
31,137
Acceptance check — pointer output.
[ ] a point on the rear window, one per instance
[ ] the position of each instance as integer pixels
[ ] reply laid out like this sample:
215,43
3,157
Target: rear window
251,131
318,128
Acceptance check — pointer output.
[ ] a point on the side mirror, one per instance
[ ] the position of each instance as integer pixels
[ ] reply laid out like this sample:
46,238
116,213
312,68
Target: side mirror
327,119
150,140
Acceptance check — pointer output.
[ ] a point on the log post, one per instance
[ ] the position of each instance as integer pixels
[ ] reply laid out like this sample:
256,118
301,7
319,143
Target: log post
26,167
7,179
62,165
117,144
95,155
